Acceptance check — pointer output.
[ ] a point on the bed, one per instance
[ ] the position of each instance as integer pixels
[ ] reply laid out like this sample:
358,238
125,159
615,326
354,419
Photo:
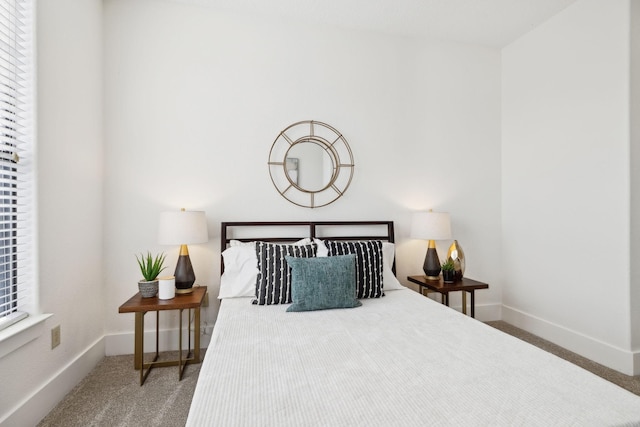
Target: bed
397,359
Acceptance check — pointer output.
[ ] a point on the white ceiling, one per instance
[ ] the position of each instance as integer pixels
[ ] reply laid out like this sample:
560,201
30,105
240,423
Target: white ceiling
493,23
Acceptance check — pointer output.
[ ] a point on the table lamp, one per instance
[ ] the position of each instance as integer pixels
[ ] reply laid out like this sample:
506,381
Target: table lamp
183,228
431,226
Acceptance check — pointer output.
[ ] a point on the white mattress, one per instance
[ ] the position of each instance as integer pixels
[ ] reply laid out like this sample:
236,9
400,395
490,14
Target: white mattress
399,360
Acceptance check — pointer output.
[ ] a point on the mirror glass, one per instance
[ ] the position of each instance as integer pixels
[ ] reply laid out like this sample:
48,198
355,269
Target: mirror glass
309,166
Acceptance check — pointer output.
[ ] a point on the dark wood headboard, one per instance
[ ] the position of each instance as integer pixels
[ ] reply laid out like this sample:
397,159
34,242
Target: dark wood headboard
292,231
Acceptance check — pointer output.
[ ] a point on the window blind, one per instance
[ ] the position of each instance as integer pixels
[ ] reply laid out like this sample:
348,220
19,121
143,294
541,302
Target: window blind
17,297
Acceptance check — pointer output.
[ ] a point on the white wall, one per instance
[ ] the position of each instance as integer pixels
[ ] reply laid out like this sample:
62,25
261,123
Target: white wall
565,181
634,115
195,97
70,174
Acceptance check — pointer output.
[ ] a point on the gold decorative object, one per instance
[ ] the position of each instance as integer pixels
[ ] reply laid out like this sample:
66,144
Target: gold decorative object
311,164
457,255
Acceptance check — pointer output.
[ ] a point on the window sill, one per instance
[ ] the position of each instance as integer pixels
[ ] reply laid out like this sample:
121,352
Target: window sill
21,333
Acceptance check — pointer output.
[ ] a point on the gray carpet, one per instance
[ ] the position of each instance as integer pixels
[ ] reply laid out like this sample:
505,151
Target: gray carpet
111,395
625,381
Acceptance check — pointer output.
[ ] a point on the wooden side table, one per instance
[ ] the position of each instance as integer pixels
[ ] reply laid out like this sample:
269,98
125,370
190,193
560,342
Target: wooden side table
465,285
140,306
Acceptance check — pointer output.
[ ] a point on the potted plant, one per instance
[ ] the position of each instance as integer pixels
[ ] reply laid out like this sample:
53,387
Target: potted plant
150,267
448,271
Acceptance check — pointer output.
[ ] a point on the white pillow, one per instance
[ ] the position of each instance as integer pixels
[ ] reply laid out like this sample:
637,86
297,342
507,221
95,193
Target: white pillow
389,280
233,243
322,249
241,269
240,272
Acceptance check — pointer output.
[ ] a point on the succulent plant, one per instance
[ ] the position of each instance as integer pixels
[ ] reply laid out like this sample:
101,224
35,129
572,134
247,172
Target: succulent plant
150,266
448,265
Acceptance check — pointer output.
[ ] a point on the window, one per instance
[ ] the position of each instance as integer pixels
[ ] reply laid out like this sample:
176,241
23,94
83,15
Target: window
16,161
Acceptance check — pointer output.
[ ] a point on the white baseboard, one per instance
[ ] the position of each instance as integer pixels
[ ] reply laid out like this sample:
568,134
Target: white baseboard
612,357
122,343
483,312
36,406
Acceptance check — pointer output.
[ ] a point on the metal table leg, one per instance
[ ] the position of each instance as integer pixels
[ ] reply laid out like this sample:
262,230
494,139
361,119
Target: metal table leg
140,340
464,302
473,304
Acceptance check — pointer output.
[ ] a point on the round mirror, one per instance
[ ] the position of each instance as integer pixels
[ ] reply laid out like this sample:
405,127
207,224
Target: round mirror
311,164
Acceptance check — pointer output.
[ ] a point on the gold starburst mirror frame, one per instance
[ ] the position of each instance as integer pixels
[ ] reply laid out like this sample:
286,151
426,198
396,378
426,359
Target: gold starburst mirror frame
311,164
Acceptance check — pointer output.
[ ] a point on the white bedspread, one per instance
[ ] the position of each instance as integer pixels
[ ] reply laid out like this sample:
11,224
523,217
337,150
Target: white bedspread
399,360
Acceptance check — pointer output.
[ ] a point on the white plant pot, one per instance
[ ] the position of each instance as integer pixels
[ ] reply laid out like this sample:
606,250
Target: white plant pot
166,287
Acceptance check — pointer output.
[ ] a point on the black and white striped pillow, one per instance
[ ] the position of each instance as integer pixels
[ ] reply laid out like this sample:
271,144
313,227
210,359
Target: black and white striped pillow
273,284
368,264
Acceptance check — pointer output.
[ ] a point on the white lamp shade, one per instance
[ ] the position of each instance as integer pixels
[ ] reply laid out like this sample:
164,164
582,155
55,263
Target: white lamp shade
431,226
182,228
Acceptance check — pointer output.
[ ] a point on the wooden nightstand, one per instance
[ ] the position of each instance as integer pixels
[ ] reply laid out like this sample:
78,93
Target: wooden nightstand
140,306
465,285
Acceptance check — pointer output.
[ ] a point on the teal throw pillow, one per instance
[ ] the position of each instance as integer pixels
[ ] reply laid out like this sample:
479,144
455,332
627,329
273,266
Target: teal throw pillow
323,283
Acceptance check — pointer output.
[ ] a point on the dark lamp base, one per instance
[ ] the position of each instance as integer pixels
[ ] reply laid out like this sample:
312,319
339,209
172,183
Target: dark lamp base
431,265
185,277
